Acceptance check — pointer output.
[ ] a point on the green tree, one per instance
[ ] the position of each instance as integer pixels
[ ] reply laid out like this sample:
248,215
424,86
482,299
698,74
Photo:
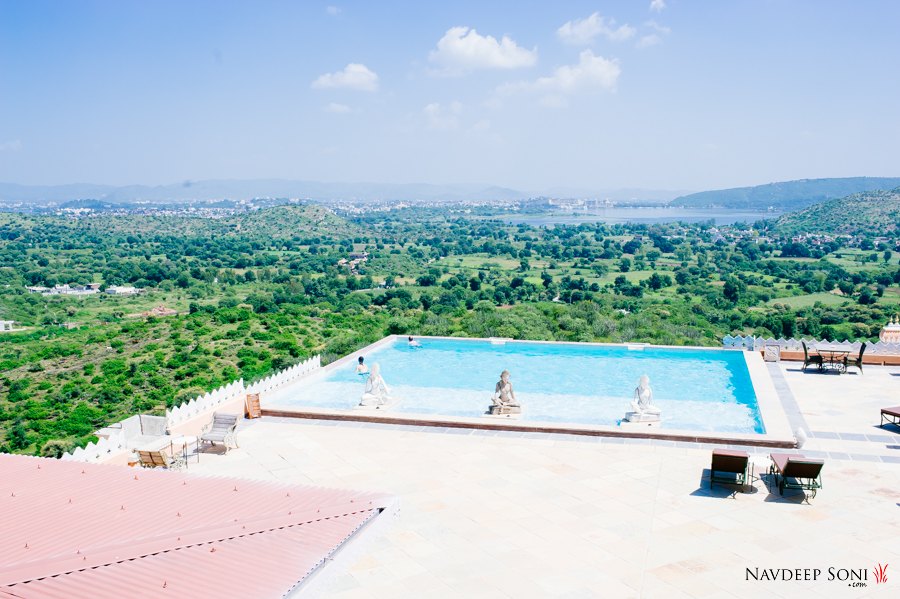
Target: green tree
18,436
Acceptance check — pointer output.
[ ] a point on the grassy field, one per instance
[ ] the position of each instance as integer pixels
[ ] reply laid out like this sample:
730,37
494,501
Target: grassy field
804,301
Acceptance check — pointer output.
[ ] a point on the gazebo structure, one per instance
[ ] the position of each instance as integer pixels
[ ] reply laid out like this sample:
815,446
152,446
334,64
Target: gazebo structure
890,333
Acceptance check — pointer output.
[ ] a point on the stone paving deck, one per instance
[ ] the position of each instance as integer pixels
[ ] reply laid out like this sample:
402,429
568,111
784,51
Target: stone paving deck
502,514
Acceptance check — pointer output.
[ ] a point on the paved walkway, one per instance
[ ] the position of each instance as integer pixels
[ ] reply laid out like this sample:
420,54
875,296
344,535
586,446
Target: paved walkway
842,412
504,514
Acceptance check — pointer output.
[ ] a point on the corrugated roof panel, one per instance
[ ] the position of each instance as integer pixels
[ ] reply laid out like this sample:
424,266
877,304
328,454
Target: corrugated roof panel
74,529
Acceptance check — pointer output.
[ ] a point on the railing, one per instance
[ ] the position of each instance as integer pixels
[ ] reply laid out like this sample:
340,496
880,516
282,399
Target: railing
751,343
103,448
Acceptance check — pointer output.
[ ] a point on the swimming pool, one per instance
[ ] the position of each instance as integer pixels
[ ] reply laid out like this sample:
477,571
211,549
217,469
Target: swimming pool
697,389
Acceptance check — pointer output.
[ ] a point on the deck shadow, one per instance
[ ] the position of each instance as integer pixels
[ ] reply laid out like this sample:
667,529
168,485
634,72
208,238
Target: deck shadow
797,498
722,490
794,496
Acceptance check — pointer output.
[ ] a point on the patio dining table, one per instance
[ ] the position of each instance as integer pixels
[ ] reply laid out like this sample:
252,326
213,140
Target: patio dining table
832,356
170,444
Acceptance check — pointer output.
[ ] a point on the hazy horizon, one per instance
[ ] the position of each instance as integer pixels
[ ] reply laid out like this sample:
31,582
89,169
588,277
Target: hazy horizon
661,95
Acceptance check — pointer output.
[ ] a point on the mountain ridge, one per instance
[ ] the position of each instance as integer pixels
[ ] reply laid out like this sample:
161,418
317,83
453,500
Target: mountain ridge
785,195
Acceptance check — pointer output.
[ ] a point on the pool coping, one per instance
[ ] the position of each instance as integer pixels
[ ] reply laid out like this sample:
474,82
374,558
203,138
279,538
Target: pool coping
778,432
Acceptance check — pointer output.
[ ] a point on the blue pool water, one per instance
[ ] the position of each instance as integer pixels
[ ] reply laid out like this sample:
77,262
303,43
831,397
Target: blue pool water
697,389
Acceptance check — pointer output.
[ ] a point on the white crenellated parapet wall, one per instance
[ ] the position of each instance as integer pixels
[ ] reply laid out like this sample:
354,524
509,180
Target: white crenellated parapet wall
279,379
204,403
115,441
751,343
99,451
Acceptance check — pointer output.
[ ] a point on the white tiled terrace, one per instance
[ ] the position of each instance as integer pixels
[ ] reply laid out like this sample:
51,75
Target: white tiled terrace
504,514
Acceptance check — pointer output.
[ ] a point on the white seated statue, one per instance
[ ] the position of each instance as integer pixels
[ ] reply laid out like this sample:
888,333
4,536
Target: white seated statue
642,408
503,401
376,393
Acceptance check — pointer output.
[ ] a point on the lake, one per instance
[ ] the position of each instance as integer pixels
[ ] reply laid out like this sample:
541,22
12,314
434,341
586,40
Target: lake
644,214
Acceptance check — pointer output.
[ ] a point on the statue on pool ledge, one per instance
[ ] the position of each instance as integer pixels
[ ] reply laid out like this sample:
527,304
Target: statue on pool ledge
503,401
376,393
642,408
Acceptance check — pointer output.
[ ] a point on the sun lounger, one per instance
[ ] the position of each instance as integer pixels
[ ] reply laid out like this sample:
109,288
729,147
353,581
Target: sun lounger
160,459
794,471
729,466
221,430
890,416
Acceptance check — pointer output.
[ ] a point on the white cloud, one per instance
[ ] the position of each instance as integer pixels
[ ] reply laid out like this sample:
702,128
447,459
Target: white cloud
648,40
333,10
336,108
11,146
463,49
443,118
658,27
354,76
582,32
655,37
657,5
591,73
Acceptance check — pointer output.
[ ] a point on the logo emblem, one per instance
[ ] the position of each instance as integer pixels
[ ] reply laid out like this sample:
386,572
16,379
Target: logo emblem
880,573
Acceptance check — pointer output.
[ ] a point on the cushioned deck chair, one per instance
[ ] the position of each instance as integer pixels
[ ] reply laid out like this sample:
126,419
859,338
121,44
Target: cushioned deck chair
160,459
890,416
221,430
794,471
808,359
857,361
729,466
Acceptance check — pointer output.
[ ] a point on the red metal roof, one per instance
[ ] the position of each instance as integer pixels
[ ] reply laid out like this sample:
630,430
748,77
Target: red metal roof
86,530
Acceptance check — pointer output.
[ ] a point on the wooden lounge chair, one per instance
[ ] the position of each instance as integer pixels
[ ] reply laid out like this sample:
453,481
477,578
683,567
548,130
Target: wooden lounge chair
221,430
160,459
890,416
808,359
729,466
848,361
794,471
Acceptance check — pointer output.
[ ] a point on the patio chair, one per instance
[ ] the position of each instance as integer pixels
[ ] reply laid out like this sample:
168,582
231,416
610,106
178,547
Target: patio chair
890,416
221,429
160,459
794,471
808,359
848,361
729,466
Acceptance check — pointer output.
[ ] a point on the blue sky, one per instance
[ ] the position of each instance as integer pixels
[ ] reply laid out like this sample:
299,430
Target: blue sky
672,94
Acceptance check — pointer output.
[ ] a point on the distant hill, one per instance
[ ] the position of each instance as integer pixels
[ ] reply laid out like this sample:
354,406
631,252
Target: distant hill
871,211
283,222
262,226
787,195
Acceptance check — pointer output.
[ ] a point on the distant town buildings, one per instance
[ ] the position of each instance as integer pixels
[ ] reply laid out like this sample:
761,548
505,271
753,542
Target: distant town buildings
66,289
89,289
121,290
356,258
